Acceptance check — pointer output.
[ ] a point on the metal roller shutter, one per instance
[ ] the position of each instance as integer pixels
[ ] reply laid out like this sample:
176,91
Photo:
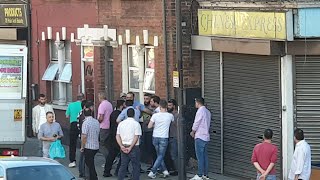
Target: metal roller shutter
212,99
251,104
308,101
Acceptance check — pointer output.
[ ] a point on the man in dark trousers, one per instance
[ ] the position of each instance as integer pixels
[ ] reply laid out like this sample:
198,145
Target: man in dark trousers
90,141
114,147
128,135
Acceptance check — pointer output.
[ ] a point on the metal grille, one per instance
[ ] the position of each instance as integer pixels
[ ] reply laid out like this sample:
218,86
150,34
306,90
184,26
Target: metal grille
251,104
308,101
212,99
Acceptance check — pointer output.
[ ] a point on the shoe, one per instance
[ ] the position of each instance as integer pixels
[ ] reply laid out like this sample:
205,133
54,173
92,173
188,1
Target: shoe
72,165
107,175
196,177
152,175
165,173
205,178
149,169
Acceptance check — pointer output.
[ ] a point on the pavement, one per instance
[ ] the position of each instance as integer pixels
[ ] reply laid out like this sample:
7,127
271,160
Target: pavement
31,148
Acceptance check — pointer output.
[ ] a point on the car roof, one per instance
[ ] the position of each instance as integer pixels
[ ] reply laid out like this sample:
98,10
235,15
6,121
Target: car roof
13,162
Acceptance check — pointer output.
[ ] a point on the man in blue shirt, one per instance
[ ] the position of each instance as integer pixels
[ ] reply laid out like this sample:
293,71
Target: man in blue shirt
123,114
137,104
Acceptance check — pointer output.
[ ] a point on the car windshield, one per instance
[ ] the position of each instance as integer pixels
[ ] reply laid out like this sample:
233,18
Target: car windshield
51,172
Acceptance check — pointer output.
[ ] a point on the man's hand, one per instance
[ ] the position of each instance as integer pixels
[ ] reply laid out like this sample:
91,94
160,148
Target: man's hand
263,172
124,150
138,108
34,134
263,176
129,150
192,134
296,178
81,149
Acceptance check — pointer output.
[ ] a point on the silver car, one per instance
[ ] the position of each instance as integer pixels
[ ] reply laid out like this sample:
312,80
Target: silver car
33,168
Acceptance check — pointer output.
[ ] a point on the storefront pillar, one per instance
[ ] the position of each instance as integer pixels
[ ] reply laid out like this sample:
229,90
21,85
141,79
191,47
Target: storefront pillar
61,62
287,113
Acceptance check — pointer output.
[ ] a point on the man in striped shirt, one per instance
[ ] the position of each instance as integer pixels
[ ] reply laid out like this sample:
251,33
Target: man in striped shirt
90,141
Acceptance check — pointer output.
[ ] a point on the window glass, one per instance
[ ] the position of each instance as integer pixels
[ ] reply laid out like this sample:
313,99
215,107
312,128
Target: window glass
67,45
133,57
1,172
53,51
51,72
55,91
134,78
150,58
69,92
50,172
66,73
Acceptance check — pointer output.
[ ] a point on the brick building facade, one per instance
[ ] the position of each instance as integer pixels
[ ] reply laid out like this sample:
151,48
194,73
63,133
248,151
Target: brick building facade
108,64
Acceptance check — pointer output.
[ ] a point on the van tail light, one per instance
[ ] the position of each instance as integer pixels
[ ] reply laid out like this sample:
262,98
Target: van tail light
10,152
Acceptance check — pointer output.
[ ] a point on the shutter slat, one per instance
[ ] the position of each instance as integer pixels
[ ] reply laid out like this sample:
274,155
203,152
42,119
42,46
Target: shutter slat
308,101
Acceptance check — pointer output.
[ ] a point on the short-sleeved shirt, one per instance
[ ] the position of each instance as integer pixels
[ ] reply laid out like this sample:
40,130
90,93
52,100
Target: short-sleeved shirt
91,128
127,129
162,121
123,115
73,111
264,154
47,130
137,103
105,109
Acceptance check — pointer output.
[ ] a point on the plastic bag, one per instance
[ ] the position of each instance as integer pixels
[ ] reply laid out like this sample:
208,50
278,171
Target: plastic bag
56,150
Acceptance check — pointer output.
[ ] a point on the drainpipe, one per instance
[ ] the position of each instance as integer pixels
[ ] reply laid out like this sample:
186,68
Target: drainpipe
61,62
166,59
29,89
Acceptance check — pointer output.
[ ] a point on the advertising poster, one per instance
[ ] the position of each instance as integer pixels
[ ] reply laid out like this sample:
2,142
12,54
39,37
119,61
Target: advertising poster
10,74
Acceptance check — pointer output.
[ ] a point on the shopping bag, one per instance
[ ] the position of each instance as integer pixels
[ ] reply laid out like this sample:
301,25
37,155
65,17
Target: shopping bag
56,150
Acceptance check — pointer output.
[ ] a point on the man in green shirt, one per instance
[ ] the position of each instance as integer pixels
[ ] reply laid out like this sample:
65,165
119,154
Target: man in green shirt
72,113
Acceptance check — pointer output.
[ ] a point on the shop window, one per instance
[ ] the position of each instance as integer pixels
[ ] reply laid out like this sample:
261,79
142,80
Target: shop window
59,76
149,76
133,69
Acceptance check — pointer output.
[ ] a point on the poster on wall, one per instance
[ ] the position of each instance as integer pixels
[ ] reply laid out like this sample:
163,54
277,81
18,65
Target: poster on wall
10,74
88,52
149,81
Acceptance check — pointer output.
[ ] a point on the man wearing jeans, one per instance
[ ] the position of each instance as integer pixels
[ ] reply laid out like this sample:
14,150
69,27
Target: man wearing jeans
161,122
200,132
264,157
128,135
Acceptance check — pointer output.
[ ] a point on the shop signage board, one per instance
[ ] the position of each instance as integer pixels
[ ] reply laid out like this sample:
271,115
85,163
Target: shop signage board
242,24
306,23
13,15
11,74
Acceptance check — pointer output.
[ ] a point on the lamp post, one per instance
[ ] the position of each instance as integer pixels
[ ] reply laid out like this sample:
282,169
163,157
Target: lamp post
180,122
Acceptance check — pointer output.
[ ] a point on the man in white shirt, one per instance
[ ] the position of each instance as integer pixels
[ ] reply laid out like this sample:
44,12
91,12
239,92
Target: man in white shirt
39,117
128,135
161,122
154,103
301,163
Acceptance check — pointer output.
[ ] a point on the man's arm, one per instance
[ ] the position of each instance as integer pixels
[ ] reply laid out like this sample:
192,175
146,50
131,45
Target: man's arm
300,162
197,121
258,167
60,132
68,112
134,142
151,124
83,141
100,118
34,129
42,138
121,116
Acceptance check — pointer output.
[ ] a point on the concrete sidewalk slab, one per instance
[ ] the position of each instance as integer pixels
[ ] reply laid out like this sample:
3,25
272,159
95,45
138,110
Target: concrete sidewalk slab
31,149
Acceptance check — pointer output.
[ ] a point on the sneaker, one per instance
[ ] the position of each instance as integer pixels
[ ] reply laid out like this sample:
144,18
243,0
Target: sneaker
152,175
165,173
205,178
196,177
72,165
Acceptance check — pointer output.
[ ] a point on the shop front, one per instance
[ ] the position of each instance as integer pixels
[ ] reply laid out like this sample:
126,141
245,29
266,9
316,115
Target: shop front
242,61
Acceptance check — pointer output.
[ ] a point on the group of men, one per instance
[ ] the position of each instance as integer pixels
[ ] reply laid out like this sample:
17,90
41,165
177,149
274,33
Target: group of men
265,155
124,130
